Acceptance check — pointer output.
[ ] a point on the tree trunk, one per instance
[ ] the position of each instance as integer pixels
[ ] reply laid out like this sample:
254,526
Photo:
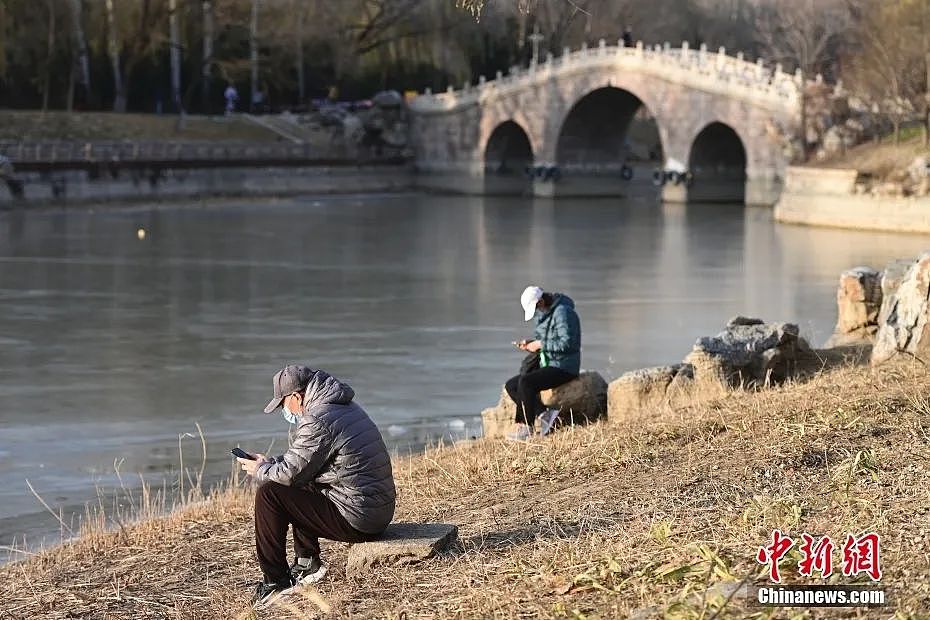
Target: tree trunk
175,42
253,53
119,99
897,131
80,46
50,51
803,131
70,97
207,69
301,85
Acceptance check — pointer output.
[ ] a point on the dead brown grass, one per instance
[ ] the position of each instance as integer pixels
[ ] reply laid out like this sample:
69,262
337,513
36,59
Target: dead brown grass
882,161
601,521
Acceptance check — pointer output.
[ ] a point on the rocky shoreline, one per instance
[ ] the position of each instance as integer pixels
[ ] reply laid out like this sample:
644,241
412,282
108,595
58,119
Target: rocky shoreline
880,315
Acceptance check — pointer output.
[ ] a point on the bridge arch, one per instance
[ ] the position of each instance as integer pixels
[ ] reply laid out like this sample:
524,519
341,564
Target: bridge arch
508,150
594,134
718,161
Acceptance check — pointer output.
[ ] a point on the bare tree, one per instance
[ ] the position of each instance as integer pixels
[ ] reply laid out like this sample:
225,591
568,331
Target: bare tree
113,49
253,53
923,8
299,8
80,50
49,54
889,70
802,33
175,53
207,64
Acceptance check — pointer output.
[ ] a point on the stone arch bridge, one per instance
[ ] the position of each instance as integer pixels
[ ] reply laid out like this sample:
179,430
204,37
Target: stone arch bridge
723,127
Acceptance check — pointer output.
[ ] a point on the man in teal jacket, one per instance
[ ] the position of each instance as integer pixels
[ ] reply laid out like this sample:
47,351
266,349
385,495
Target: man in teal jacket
557,339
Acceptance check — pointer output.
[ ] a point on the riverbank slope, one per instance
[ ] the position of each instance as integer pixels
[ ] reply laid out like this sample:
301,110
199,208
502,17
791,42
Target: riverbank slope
593,522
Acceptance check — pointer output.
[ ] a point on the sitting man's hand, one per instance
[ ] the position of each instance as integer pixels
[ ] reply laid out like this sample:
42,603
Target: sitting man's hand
249,466
533,347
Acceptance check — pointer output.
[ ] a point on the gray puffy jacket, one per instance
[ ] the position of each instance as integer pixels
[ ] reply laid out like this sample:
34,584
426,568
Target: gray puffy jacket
339,451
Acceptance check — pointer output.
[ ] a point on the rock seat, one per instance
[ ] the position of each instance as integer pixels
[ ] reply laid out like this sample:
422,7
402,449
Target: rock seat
580,400
401,544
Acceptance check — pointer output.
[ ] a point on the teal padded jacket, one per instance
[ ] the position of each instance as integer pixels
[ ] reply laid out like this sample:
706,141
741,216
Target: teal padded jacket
559,331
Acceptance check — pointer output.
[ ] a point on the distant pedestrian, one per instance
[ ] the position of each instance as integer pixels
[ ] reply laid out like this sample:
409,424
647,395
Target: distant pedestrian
258,101
628,37
557,351
232,97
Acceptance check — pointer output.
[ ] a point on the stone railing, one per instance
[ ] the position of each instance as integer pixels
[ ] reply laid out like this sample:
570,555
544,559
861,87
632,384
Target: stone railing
63,153
696,68
87,152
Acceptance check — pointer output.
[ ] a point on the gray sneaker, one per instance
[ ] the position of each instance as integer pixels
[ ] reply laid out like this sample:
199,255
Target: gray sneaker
522,433
547,420
307,570
268,592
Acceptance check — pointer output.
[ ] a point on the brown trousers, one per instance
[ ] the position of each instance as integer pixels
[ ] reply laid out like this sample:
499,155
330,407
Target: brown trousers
311,515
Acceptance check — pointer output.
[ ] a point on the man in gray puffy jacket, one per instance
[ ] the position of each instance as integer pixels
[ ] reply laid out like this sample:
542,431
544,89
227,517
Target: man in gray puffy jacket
334,481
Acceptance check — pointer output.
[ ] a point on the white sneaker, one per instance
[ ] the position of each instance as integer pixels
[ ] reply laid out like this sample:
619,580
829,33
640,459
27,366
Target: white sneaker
522,433
547,420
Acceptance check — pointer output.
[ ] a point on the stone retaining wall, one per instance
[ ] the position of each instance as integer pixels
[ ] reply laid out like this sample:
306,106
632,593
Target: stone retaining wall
825,197
77,186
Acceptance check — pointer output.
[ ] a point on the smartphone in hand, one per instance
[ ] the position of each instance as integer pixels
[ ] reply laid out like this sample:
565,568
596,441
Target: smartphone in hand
242,454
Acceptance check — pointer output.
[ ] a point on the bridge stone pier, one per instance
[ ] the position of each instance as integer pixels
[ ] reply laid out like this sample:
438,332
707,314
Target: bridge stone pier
725,126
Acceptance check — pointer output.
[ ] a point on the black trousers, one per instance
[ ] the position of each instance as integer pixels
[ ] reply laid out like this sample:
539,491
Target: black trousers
525,389
312,516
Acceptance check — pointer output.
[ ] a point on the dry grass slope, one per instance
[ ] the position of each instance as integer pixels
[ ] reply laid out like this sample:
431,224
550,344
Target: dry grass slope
595,522
882,161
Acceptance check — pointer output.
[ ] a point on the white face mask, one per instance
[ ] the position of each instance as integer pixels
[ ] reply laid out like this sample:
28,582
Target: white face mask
288,415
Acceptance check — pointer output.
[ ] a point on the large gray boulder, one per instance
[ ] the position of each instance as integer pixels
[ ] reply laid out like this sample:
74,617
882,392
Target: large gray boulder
648,390
748,353
858,301
401,543
580,400
903,326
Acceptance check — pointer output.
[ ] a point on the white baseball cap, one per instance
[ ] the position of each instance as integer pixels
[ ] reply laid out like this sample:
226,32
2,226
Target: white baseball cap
531,295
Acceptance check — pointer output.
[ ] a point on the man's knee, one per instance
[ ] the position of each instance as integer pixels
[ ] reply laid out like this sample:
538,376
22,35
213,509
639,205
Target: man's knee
513,386
529,384
266,494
